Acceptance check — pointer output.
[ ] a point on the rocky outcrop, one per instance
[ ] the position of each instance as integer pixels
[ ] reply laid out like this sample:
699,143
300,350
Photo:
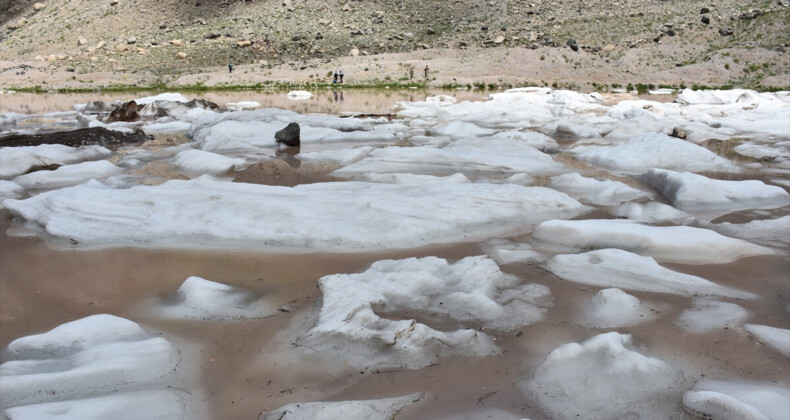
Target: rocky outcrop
83,137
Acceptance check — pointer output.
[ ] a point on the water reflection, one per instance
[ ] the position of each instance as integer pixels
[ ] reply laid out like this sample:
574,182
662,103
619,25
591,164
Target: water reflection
326,101
288,155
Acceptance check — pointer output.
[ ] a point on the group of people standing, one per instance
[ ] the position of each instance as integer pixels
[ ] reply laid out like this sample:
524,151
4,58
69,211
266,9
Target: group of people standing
338,77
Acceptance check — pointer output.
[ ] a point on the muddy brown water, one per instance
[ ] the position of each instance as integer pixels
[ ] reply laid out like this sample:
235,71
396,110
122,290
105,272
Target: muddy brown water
241,369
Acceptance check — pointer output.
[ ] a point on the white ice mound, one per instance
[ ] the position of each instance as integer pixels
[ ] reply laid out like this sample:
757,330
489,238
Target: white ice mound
198,298
68,175
770,232
19,160
692,192
413,179
652,213
505,251
167,96
681,244
613,308
625,270
706,315
653,150
725,400
603,378
339,216
470,156
384,409
149,405
199,162
471,293
776,338
604,192
91,357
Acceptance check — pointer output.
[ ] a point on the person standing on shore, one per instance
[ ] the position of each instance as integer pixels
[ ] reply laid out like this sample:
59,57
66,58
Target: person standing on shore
340,75
411,72
230,67
426,71
334,78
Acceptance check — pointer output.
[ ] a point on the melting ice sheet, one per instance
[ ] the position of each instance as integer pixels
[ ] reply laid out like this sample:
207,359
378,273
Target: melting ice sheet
346,216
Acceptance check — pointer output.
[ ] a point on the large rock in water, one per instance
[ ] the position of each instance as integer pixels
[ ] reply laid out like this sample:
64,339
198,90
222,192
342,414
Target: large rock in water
289,135
76,138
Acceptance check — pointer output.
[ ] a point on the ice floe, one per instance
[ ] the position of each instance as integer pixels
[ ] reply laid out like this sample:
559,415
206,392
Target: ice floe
604,377
770,232
10,189
340,216
199,162
383,409
613,308
652,213
253,131
470,156
706,315
776,338
652,150
681,244
693,192
100,359
604,192
625,270
68,175
20,160
729,400
505,251
198,298
472,292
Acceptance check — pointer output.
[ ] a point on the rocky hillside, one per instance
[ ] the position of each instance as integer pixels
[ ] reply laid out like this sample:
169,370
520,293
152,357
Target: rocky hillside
173,37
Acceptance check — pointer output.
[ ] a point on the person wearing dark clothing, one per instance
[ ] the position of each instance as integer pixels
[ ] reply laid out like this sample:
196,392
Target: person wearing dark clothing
334,78
426,72
411,73
230,67
340,75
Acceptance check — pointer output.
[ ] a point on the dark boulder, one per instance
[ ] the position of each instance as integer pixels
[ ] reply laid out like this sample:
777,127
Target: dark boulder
572,43
289,135
127,112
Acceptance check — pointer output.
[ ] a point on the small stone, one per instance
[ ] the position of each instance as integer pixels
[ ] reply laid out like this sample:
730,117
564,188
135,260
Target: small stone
182,55
176,42
39,6
243,44
678,133
726,31
81,41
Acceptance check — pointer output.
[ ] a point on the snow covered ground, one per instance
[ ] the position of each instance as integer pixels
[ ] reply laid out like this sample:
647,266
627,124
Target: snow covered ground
527,193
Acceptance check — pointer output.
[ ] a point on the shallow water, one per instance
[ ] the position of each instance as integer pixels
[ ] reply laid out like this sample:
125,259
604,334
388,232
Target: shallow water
328,101
247,367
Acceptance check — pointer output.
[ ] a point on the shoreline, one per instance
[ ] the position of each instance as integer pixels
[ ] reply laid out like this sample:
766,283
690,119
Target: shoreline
473,68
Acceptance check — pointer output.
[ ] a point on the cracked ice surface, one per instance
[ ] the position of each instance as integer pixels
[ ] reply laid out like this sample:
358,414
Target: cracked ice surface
472,293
